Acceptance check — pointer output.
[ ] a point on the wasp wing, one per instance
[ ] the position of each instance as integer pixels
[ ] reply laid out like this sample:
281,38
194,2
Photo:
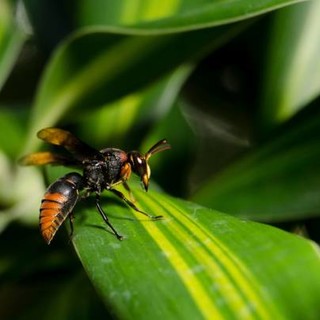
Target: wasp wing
47,157
79,149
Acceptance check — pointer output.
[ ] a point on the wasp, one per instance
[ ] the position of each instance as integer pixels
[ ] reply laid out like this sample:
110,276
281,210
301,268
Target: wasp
101,170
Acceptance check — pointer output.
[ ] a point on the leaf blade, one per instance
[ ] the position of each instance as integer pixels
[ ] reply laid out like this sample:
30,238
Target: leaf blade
195,254
277,181
114,62
11,40
292,68
173,16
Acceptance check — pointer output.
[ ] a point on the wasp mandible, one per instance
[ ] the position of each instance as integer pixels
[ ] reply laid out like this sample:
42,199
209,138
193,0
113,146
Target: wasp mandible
101,170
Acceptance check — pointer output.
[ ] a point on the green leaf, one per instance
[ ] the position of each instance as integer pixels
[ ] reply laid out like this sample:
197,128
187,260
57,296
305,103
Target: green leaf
95,67
292,69
11,40
116,122
176,162
12,125
276,182
17,199
171,15
195,263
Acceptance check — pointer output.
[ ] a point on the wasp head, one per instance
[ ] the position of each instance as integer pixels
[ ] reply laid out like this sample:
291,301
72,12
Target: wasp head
139,162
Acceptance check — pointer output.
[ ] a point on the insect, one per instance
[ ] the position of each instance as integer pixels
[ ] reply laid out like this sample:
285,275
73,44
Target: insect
101,170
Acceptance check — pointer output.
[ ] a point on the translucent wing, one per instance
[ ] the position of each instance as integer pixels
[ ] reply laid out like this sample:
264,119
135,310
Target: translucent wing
79,149
42,158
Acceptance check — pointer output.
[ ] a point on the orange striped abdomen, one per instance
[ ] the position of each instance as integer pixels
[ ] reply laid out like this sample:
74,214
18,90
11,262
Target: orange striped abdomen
57,203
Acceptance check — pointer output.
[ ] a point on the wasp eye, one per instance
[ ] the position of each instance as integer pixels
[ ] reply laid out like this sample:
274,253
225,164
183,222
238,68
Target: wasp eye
139,161
140,166
136,162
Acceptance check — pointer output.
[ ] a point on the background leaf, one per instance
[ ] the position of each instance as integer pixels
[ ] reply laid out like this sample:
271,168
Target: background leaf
292,69
136,112
11,39
276,182
108,60
172,15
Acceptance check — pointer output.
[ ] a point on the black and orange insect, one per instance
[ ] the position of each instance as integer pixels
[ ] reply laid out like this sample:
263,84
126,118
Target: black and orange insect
102,170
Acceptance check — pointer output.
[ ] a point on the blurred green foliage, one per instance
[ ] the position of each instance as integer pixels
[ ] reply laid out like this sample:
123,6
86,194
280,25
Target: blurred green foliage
233,85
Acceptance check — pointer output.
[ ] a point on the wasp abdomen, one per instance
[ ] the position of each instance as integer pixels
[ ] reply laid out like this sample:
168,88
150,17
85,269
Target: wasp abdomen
58,202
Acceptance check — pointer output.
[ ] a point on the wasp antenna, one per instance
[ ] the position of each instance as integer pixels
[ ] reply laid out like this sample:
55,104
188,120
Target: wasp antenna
162,145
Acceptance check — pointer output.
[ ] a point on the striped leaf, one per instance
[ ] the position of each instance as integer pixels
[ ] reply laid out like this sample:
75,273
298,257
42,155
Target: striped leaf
196,263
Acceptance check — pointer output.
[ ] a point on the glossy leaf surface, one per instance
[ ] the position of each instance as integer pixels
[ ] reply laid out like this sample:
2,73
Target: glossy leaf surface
11,40
292,70
150,16
195,263
95,67
275,182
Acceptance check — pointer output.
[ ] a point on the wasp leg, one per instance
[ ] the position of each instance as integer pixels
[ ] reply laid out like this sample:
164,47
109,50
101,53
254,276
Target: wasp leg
126,186
71,218
132,205
105,218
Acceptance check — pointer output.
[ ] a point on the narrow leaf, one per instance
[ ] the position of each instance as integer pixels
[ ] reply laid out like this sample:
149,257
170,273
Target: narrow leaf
275,182
148,16
11,40
292,70
116,121
195,264
95,67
